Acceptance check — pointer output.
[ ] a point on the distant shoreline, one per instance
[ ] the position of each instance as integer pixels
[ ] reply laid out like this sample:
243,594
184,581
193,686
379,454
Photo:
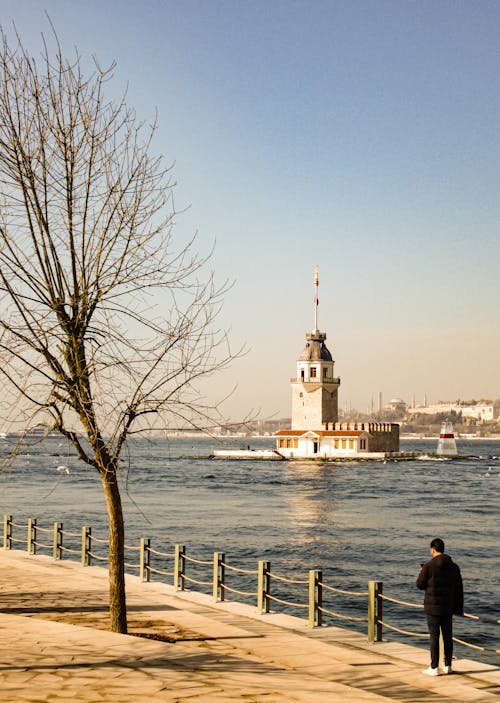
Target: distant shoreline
179,434
493,438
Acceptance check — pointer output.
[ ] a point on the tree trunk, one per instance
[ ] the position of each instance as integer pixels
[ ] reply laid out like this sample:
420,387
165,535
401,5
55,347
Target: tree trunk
117,600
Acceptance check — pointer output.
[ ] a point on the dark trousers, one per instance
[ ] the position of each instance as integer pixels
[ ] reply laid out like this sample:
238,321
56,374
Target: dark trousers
443,623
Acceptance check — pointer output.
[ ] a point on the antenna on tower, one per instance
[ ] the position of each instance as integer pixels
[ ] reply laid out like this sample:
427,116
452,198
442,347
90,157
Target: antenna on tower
316,300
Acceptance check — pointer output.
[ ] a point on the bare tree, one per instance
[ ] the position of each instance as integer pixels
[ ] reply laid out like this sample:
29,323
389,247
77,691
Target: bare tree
88,269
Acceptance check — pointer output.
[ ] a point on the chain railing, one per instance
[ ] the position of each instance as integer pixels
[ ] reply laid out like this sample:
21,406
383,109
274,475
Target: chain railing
334,614
269,583
145,560
480,618
222,586
64,549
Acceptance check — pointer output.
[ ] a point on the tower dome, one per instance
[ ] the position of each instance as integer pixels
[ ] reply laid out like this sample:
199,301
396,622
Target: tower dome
315,349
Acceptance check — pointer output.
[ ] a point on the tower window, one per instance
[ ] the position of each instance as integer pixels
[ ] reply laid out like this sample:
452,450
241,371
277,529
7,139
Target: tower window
313,372
302,374
325,372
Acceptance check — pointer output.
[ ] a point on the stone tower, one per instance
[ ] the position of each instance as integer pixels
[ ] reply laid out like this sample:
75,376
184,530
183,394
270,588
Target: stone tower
315,389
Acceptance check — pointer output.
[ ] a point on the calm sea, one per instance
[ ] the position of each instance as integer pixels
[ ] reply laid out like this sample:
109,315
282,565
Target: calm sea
355,521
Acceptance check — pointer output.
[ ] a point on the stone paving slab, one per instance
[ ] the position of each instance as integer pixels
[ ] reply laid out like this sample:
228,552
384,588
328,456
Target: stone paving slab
54,661
54,646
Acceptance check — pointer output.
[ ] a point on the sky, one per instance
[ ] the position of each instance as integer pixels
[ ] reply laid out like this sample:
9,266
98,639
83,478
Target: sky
361,136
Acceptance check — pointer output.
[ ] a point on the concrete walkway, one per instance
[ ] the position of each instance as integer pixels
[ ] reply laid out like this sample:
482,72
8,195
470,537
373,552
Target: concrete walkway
54,646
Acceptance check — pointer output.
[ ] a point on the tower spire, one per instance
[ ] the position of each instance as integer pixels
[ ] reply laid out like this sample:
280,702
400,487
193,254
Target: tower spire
316,300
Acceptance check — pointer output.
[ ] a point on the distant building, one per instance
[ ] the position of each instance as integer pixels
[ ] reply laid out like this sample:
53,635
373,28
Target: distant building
436,409
252,428
485,412
315,431
396,406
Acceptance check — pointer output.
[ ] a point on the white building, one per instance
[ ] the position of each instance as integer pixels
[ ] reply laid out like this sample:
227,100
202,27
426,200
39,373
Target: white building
315,431
481,411
486,412
345,439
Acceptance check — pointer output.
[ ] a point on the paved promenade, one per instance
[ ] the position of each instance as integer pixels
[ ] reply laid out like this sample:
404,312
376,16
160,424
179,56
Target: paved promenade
54,647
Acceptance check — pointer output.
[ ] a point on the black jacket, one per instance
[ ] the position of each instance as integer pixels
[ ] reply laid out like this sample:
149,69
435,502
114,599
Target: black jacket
441,580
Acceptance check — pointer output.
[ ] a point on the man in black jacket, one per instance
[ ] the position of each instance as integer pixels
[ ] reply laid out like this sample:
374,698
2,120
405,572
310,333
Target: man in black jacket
441,580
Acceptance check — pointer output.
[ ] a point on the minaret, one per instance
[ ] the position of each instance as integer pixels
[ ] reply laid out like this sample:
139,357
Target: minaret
315,389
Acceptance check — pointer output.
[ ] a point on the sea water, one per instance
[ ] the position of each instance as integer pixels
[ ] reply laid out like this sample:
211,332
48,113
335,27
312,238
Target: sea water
355,521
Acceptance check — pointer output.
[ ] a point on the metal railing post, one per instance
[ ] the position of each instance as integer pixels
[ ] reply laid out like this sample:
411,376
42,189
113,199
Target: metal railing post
7,531
264,586
86,545
219,573
315,597
375,589
144,559
58,541
179,567
31,542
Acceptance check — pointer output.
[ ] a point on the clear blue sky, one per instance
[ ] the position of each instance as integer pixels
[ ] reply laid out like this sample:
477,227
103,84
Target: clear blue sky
362,136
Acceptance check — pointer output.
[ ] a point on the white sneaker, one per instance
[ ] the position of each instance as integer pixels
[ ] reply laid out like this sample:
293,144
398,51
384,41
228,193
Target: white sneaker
431,672
447,669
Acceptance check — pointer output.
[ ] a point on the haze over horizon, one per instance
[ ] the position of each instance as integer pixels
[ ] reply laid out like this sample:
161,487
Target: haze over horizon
360,136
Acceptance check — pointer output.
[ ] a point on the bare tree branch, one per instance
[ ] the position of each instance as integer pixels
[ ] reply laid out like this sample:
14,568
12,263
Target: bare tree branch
103,322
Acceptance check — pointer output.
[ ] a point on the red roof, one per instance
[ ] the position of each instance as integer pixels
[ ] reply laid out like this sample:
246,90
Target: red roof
320,433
